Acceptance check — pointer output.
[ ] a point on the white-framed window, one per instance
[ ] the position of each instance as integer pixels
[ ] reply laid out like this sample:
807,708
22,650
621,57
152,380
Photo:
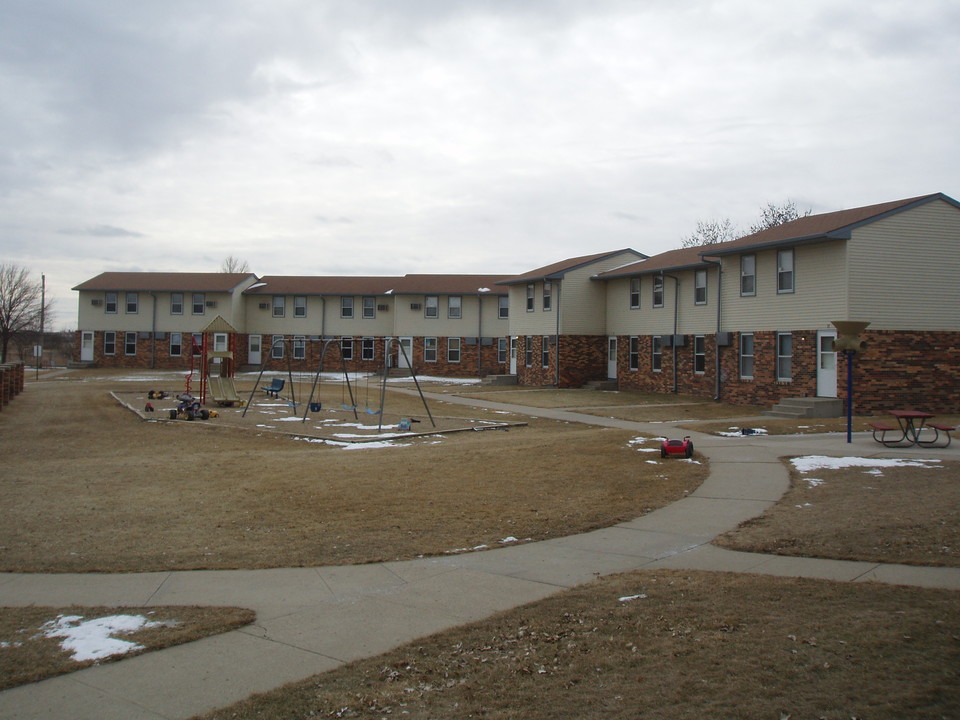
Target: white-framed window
528,351
454,307
634,293
276,347
501,350
453,349
658,291
198,304
784,357
430,349
431,306
299,347
367,348
748,275
196,344
547,295
746,356
369,307
545,351
530,296
299,306
346,306
503,307
176,344
699,354
129,343
634,352
109,343
110,302
656,353
219,342
700,287
785,275
132,303
279,306
346,348
176,303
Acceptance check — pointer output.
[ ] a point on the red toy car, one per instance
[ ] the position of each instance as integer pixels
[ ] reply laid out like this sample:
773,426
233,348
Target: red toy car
677,447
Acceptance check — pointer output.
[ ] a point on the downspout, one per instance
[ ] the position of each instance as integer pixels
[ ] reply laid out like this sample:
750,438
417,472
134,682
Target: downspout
717,384
676,324
557,342
479,333
153,334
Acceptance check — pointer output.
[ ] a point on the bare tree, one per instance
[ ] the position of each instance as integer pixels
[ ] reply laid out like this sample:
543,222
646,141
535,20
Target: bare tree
20,304
710,232
234,265
773,215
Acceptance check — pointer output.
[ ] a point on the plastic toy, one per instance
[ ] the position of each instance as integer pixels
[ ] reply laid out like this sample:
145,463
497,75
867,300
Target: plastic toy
677,447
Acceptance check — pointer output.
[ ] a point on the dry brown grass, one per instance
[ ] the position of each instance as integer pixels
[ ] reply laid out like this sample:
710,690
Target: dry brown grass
687,646
88,487
900,515
786,426
27,654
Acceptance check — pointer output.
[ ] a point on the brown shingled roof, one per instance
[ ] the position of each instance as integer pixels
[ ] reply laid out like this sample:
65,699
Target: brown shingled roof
558,269
421,284
165,281
670,260
416,284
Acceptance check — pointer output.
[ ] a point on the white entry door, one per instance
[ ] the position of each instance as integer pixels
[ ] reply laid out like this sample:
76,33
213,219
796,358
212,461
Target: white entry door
254,348
612,357
86,346
826,363
405,353
513,355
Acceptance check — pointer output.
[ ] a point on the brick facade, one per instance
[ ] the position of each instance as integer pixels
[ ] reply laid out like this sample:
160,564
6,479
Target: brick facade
582,358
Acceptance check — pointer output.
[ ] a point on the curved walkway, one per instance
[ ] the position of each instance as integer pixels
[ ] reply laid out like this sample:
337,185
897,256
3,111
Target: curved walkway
310,620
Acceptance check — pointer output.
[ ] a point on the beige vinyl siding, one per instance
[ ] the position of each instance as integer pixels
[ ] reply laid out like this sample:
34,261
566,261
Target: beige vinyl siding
414,323
820,293
92,317
336,326
905,270
536,322
648,320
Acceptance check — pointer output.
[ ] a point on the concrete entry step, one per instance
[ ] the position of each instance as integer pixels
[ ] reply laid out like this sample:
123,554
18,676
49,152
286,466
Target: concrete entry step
808,407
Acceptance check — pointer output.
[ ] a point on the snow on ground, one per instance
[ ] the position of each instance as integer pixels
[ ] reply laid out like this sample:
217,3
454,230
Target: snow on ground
94,639
742,432
809,463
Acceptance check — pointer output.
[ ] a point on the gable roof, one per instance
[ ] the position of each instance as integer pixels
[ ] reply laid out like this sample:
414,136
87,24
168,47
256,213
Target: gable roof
165,281
415,284
557,270
679,259
420,284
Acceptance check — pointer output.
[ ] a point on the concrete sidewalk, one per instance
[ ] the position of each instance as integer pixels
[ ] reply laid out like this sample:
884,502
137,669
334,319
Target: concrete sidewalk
310,620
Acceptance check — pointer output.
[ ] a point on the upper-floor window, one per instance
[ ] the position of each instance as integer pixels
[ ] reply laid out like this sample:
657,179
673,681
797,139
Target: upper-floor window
199,303
110,302
547,295
656,353
634,293
700,287
176,303
784,357
279,306
658,291
699,354
431,306
454,306
530,290
785,271
133,303
503,306
346,306
746,355
748,275
453,349
300,306
369,307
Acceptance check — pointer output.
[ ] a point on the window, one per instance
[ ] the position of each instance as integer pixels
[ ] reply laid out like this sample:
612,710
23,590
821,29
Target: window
545,351
658,291
199,303
700,287
299,306
346,306
785,271
547,295
196,346
129,343
367,349
528,351
109,343
748,275
501,350
176,344
431,306
746,356
276,347
454,307
429,349
699,354
784,357
453,349
299,347
219,342
279,306
133,303
369,308
503,307
110,302
176,303
634,352
529,297
346,348
634,293
656,352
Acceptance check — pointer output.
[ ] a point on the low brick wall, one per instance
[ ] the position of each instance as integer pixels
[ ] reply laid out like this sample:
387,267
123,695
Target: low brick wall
11,382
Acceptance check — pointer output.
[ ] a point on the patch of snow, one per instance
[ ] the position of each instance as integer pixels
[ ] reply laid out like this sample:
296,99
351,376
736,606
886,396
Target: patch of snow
628,598
739,432
810,463
93,639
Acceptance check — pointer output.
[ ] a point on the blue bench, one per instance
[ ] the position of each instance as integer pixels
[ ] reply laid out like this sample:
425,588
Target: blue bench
274,388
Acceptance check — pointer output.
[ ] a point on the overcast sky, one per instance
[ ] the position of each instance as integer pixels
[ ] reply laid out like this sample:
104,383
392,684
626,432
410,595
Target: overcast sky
390,136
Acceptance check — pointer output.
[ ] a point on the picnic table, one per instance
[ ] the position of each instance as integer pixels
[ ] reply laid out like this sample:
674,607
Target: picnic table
910,425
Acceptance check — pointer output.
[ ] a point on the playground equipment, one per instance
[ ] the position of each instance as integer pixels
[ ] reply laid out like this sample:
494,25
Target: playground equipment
677,447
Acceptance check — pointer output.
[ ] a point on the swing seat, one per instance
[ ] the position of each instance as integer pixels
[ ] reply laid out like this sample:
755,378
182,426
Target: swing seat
348,407
371,411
